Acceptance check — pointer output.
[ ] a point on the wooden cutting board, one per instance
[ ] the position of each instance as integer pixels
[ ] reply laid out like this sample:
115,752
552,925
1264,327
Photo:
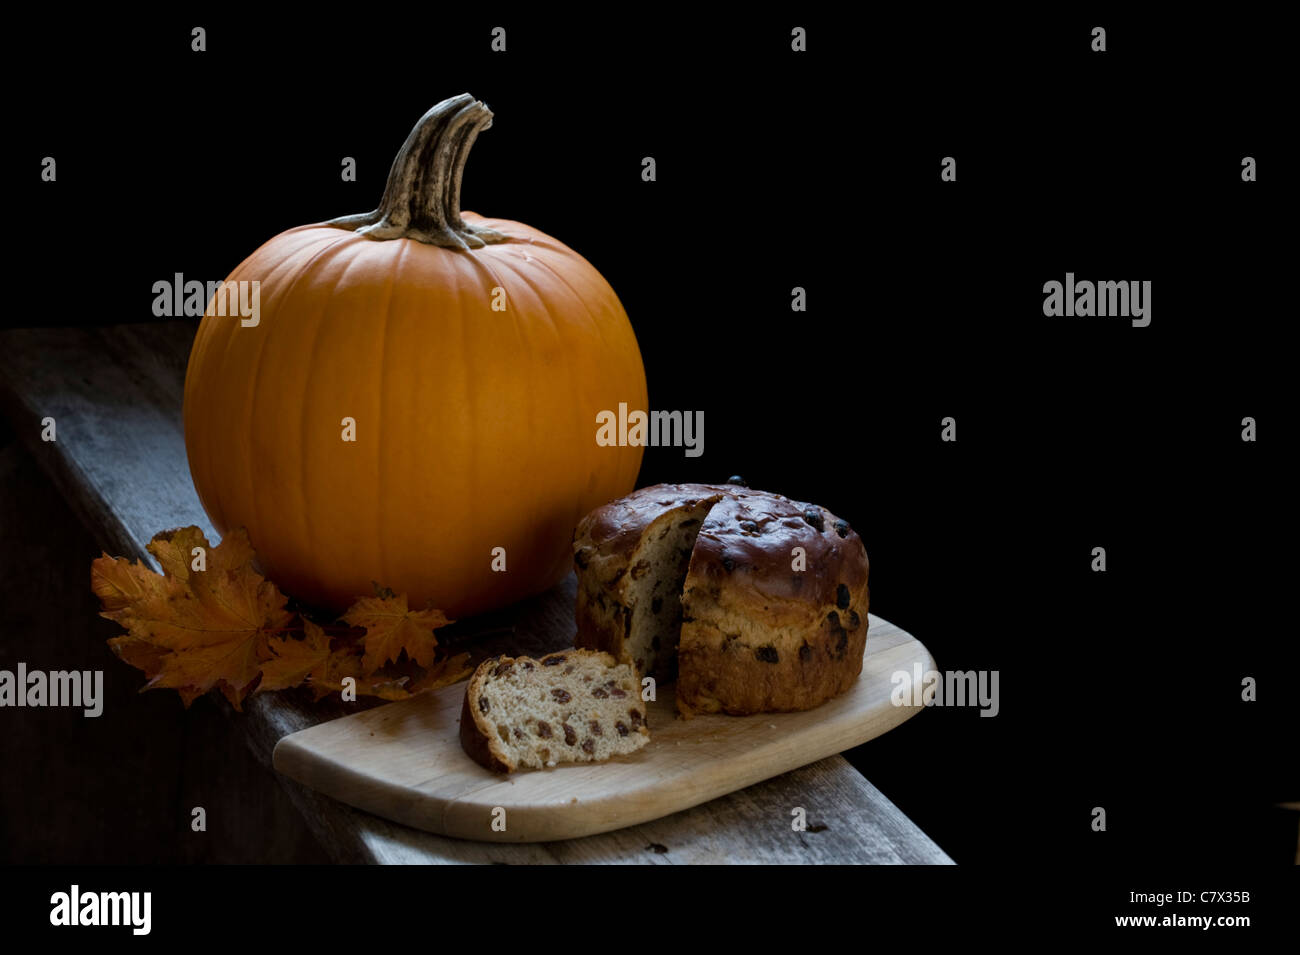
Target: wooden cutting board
404,760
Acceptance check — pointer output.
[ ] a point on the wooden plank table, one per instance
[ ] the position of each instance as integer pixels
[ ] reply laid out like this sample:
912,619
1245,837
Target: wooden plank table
115,394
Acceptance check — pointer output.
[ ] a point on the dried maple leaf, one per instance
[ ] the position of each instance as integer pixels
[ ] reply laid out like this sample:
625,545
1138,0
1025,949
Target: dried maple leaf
344,663
294,661
140,654
325,671
392,627
226,627
193,630
442,673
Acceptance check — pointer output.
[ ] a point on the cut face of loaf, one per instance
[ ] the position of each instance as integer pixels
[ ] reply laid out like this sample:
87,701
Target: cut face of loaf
578,706
640,612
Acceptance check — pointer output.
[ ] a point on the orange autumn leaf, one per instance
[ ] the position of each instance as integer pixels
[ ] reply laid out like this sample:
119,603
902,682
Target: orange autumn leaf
140,654
310,660
392,627
224,626
192,630
329,672
294,661
442,673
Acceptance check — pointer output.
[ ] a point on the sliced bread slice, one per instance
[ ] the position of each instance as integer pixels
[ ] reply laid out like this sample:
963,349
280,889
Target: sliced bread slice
576,706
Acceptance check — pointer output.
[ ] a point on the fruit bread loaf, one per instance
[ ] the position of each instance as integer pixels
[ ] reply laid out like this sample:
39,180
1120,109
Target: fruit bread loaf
752,601
577,706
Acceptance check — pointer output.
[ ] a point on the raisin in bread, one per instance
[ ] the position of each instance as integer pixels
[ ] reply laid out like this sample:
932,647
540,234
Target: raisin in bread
701,581
578,706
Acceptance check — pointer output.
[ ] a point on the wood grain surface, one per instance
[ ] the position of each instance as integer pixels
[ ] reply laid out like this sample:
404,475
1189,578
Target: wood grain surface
116,395
404,761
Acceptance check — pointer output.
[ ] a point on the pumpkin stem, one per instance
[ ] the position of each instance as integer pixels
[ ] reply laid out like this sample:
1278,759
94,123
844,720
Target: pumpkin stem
422,197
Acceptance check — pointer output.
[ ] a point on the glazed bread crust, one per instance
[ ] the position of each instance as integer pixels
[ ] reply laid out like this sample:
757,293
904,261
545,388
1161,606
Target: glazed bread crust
759,635
774,601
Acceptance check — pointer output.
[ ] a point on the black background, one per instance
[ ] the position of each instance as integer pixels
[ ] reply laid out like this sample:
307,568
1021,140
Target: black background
821,170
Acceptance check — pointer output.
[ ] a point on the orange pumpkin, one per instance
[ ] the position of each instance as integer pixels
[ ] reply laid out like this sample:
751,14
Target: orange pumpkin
474,427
